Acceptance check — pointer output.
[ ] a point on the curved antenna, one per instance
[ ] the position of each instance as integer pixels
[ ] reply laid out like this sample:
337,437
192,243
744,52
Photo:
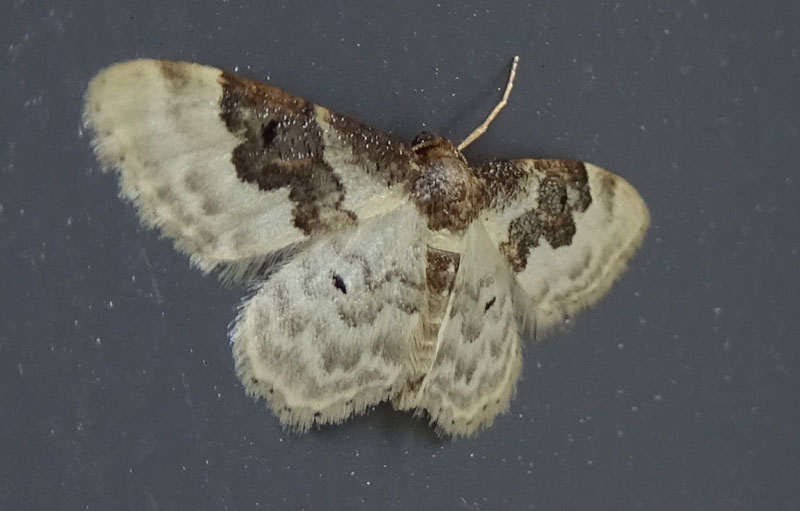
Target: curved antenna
480,130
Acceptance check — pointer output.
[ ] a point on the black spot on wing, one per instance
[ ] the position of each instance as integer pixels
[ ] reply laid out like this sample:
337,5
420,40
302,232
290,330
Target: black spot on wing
269,132
338,283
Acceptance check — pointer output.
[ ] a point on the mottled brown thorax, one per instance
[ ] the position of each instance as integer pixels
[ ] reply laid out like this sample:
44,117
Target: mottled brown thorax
446,190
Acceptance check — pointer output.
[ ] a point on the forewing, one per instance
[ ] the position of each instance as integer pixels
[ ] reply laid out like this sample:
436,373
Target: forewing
233,169
334,330
567,229
478,357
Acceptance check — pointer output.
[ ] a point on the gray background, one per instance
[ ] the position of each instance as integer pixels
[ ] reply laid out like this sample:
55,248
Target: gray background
679,390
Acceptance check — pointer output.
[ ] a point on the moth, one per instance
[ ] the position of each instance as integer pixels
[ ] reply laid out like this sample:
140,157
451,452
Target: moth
379,270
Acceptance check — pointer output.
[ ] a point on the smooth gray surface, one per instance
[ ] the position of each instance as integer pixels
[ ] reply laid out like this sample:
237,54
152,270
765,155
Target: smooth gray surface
678,391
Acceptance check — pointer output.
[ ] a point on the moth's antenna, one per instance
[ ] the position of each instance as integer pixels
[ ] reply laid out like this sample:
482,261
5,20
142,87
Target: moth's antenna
480,130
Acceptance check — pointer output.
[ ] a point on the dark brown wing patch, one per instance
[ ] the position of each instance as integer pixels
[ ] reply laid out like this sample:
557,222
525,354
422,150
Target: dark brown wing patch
376,152
503,180
282,147
563,189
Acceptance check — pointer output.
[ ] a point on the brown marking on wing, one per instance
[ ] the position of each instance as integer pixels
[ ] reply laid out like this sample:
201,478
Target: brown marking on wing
376,152
563,189
282,148
175,73
503,181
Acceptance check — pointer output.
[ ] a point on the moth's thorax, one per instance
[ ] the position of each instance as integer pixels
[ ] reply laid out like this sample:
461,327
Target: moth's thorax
445,190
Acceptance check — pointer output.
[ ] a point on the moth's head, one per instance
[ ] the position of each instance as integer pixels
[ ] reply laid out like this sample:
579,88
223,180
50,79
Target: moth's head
429,147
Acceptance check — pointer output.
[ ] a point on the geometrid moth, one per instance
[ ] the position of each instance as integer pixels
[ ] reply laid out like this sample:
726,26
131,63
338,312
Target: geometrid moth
381,270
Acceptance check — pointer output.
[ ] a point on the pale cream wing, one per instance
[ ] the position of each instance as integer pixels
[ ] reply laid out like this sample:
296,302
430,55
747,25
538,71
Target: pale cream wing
567,229
233,169
334,330
478,355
